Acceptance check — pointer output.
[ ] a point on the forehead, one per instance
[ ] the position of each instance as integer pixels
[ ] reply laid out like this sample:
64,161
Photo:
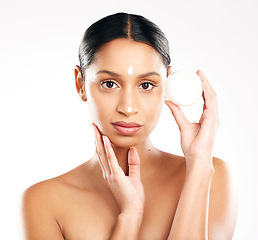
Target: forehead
120,54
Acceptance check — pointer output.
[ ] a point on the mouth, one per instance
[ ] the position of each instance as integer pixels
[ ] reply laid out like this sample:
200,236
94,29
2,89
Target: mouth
127,128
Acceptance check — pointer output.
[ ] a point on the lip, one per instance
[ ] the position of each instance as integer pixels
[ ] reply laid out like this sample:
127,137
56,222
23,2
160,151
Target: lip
127,128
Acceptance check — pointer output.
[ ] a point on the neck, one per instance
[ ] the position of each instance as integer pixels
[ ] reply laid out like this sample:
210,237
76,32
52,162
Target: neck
146,151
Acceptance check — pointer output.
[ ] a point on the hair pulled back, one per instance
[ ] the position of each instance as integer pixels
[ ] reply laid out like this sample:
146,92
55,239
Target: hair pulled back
122,25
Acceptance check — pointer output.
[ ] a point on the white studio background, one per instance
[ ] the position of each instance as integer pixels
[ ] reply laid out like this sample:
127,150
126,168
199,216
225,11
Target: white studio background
45,128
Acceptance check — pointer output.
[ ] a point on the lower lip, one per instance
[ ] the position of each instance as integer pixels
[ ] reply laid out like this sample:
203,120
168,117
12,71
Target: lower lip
126,130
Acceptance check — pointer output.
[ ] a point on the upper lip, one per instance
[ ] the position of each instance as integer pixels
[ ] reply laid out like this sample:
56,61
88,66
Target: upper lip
127,124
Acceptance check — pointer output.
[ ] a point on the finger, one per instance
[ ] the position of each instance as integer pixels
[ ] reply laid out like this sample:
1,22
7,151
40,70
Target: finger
111,157
208,101
209,94
101,150
101,156
178,114
100,161
204,78
204,105
134,163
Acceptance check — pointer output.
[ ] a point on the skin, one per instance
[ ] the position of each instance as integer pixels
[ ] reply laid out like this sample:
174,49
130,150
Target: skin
129,189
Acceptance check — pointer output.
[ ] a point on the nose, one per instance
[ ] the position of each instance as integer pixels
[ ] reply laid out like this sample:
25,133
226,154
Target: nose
128,104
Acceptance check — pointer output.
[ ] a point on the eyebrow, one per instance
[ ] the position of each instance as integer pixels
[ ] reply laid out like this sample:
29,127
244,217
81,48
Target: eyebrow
109,73
144,75
118,75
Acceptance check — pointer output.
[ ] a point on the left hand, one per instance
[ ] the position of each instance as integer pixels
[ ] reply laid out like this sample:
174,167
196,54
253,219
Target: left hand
127,190
197,139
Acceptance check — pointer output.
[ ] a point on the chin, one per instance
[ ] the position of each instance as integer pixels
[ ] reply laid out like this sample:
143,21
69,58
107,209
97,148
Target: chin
125,141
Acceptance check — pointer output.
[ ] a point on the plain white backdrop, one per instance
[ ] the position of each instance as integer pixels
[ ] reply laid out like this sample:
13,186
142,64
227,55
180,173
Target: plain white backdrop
45,128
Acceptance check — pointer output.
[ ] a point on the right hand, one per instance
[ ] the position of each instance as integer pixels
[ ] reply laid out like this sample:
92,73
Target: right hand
127,190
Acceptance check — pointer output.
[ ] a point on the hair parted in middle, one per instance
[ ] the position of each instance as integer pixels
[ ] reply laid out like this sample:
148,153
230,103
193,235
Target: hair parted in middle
126,26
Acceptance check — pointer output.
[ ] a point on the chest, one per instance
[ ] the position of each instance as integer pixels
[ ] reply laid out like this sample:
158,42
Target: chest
93,216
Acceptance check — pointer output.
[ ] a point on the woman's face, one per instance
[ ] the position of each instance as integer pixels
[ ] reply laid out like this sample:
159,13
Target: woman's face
125,91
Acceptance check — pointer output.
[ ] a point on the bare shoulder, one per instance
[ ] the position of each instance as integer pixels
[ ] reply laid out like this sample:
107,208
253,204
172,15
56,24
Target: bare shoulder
223,201
223,186
224,178
221,165
42,204
38,212
41,193
51,191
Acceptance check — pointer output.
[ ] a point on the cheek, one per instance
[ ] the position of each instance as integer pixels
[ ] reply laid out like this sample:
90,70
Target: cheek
101,108
155,112
152,110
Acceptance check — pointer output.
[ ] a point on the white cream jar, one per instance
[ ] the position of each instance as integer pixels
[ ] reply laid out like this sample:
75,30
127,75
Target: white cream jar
183,88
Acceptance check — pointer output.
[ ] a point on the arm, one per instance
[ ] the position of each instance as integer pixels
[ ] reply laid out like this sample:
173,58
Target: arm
223,202
127,190
127,226
207,207
193,219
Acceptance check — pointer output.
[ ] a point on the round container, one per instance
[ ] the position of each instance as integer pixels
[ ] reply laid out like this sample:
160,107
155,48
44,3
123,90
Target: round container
184,88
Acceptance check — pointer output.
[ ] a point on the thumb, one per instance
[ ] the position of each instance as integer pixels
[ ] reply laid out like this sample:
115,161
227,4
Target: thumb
178,114
134,163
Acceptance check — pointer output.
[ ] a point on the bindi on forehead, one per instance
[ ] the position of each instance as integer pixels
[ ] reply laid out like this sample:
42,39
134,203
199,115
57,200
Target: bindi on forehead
130,70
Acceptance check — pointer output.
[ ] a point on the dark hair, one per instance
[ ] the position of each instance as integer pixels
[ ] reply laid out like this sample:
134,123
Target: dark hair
122,25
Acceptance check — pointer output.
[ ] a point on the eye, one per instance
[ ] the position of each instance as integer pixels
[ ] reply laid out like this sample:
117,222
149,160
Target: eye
109,84
147,86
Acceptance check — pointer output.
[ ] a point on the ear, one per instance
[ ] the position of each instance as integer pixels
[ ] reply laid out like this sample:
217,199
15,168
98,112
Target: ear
80,83
169,70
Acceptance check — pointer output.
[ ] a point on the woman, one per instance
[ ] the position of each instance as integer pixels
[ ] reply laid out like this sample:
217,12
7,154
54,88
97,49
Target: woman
129,189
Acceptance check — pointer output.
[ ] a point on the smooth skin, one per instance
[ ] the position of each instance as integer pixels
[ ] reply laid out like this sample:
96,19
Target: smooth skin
129,189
